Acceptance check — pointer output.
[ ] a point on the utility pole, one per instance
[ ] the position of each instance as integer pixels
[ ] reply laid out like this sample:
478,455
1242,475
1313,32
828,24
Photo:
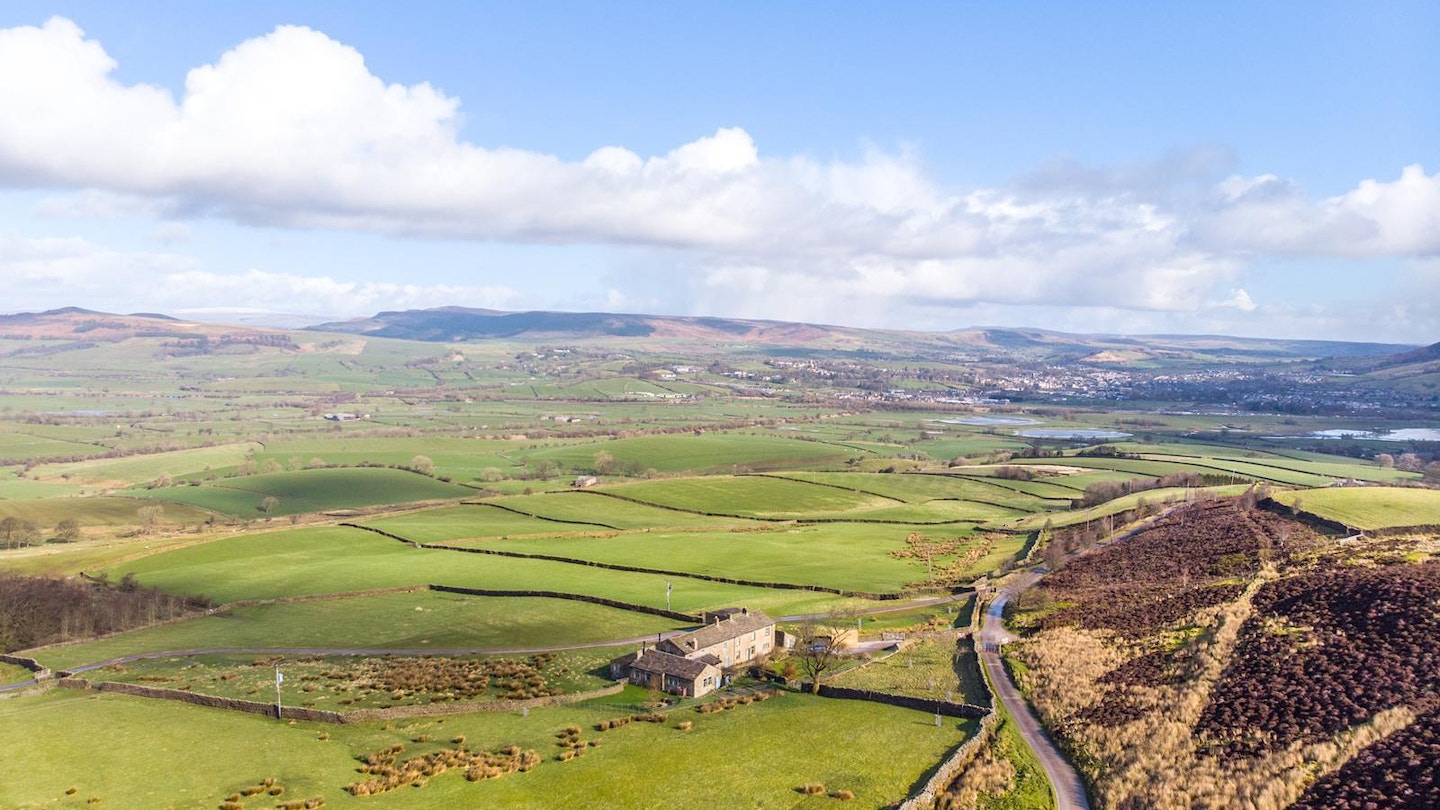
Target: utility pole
669,587
279,679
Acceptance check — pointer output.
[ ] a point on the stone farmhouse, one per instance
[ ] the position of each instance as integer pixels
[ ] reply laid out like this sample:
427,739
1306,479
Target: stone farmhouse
694,663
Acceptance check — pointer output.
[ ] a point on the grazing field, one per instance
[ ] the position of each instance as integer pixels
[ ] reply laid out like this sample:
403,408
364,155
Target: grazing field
404,621
472,520
123,472
594,506
933,668
713,452
754,496
109,512
141,753
923,488
843,556
1368,507
338,560
309,491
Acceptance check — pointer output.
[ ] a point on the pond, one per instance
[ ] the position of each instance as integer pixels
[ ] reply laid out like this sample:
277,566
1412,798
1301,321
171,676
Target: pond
1399,435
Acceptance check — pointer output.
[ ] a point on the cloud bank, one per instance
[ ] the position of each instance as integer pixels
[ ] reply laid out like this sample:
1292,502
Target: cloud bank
291,129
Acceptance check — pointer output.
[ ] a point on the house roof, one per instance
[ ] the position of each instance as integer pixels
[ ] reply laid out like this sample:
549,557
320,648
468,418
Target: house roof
737,624
666,664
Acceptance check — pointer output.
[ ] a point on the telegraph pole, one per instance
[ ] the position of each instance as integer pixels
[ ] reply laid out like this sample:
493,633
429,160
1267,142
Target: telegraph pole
279,679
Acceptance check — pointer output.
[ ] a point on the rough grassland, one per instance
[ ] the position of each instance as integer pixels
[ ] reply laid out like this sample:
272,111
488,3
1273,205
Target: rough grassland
419,620
1369,507
142,753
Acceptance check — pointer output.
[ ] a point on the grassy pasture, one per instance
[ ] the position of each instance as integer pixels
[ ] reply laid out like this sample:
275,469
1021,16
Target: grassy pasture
141,753
337,560
457,457
846,556
476,520
1330,469
1283,473
420,620
932,668
311,491
921,488
119,472
16,446
1153,496
107,511
1047,489
681,453
1368,507
13,487
593,506
753,496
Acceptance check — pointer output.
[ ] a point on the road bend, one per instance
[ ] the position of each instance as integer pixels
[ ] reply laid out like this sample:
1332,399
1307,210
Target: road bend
1069,790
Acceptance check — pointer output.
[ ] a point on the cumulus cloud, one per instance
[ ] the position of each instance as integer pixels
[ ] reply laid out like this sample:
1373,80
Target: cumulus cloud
291,129
56,272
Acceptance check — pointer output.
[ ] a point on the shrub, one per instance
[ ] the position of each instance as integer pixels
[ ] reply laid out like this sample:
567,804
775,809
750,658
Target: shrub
811,789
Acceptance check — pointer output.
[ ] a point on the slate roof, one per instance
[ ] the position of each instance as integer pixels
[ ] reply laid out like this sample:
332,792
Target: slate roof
666,664
716,632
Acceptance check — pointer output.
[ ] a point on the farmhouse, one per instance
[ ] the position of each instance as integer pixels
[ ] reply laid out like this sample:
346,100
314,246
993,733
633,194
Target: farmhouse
692,664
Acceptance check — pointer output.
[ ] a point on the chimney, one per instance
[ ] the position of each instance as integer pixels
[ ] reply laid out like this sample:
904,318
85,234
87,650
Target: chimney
640,652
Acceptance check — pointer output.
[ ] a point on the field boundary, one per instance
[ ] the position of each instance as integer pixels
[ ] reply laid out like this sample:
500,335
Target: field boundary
635,569
578,597
326,715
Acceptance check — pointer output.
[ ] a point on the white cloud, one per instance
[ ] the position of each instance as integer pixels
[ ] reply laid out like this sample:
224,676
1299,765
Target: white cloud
56,272
292,129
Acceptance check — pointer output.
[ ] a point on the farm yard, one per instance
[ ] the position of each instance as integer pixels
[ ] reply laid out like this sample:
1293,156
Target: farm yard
446,547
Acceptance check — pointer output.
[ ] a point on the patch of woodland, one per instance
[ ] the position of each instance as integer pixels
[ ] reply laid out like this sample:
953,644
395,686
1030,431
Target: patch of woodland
44,610
1325,651
1396,773
1196,557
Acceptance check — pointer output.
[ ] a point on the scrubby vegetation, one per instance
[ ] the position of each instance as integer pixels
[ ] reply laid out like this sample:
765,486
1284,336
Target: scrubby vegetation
43,610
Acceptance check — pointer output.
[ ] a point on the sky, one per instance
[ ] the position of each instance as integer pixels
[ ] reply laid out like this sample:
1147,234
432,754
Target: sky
1260,169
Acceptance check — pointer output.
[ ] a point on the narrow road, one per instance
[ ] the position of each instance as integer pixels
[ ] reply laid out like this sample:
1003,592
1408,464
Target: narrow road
1069,790
357,651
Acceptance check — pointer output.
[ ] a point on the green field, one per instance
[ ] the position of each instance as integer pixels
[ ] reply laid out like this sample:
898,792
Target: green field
121,472
718,452
932,668
1368,507
338,560
309,491
131,742
753,496
408,621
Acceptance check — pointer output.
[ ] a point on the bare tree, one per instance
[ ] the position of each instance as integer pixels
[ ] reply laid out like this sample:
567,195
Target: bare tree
268,503
821,644
422,465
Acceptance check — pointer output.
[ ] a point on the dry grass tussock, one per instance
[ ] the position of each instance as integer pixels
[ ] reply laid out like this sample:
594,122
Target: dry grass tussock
1156,761
988,775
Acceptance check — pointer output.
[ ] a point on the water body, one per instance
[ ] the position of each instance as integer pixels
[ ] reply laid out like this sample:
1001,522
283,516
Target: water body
987,420
1400,435
1072,433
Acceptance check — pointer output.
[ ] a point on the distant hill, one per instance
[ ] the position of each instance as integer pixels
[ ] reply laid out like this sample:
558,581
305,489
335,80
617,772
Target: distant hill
458,324
724,335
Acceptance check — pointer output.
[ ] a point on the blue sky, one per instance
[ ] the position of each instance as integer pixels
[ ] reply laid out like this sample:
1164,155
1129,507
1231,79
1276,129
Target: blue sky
1258,169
